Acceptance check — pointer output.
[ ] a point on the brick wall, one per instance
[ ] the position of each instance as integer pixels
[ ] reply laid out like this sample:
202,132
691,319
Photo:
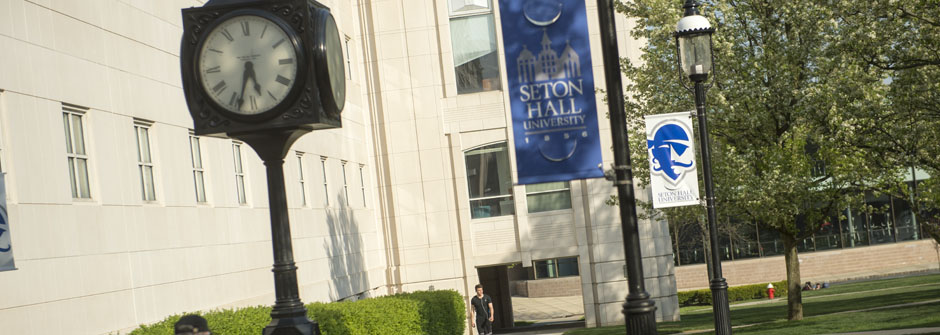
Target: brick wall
832,265
553,287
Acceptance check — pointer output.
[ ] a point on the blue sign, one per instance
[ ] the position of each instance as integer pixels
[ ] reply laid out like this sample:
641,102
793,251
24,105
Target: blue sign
6,249
551,90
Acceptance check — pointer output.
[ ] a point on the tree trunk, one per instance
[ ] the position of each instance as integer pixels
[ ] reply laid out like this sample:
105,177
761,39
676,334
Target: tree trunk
706,243
794,285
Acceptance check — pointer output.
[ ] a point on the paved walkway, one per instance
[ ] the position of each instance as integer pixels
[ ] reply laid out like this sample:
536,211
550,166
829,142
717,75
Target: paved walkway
547,309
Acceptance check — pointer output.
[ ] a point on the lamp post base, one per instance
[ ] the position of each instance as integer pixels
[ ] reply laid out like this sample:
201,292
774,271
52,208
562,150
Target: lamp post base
298,325
720,307
640,316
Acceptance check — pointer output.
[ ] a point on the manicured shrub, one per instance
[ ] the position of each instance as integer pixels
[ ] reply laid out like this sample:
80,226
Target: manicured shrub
385,315
437,312
703,297
441,311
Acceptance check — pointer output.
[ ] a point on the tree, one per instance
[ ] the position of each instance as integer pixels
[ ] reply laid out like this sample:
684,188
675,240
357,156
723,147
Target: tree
782,91
902,39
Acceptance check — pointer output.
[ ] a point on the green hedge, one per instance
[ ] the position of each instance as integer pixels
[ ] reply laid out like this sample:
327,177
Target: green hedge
443,312
703,297
436,312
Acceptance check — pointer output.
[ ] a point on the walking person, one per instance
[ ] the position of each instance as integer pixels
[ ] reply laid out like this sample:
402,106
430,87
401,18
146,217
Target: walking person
482,312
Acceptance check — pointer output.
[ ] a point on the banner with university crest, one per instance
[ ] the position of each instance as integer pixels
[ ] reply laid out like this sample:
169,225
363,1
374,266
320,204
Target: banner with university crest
551,90
671,150
6,247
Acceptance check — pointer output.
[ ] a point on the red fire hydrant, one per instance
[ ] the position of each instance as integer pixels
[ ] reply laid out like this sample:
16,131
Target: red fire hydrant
770,291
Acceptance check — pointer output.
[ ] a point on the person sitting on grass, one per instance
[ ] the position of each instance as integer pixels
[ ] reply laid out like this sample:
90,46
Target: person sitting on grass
808,286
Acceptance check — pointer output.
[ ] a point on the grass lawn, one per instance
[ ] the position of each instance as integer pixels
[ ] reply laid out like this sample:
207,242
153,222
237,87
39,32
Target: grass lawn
819,308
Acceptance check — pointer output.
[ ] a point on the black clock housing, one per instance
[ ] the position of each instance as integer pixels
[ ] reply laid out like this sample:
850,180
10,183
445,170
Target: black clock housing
305,106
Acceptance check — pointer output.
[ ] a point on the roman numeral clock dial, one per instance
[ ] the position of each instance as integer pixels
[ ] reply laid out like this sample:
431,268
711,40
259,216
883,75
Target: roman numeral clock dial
247,64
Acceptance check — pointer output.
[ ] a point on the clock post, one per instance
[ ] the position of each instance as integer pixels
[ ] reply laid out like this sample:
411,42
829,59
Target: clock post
266,73
288,316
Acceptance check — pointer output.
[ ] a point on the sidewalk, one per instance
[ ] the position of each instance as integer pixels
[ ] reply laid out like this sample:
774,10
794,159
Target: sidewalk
547,309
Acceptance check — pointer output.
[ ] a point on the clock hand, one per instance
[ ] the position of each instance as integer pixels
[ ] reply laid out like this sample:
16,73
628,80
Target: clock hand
245,76
251,73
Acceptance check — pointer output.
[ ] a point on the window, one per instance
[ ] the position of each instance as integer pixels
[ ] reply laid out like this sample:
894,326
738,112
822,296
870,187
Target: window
239,173
548,196
362,185
349,68
488,179
326,187
473,36
144,160
300,174
556,267
345,184
72,120
198,172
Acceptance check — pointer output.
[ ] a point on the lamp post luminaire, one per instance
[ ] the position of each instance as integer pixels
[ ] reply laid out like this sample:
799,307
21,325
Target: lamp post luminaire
694,50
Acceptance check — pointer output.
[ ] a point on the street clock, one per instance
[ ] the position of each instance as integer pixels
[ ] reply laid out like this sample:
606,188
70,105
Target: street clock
252,66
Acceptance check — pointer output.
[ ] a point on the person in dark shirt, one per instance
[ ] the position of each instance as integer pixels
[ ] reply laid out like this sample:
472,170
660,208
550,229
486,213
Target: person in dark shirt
482,312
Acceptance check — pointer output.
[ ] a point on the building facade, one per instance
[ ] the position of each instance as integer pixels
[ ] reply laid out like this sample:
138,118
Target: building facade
119,215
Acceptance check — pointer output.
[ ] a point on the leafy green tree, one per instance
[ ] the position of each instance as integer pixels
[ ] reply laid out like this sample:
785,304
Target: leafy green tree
902,39
782,91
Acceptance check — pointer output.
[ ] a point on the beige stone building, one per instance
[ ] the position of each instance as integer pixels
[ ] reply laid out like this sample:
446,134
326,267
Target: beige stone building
119,215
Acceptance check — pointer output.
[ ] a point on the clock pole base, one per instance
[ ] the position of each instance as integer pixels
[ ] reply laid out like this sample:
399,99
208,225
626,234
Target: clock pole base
299,325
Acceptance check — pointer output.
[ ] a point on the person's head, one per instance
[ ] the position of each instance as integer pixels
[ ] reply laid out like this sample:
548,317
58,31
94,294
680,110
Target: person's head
809,284
192,324
818,285
479,289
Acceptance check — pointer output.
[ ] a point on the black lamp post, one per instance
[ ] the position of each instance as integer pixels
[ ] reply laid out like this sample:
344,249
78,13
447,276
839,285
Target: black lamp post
639,309
694,51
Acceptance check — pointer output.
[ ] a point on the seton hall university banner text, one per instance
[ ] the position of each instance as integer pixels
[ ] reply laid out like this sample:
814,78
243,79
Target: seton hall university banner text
551,90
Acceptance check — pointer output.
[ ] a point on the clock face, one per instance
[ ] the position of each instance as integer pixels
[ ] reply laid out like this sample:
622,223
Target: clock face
247,64
329,60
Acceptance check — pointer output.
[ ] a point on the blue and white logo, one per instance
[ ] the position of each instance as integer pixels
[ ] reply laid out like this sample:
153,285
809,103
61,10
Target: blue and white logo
670,152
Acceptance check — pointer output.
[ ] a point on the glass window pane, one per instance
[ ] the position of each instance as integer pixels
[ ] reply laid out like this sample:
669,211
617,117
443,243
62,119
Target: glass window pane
200,186
568,266
488,171
490,207
362,186
197,152
144,144
545,269
78,135
149,194
84,192
906,220
72,177
68,133
137,140
475,59
238,158
542,202
240,185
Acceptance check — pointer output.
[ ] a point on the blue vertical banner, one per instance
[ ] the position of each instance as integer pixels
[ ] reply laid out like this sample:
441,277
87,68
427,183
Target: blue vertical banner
551,90
6,247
